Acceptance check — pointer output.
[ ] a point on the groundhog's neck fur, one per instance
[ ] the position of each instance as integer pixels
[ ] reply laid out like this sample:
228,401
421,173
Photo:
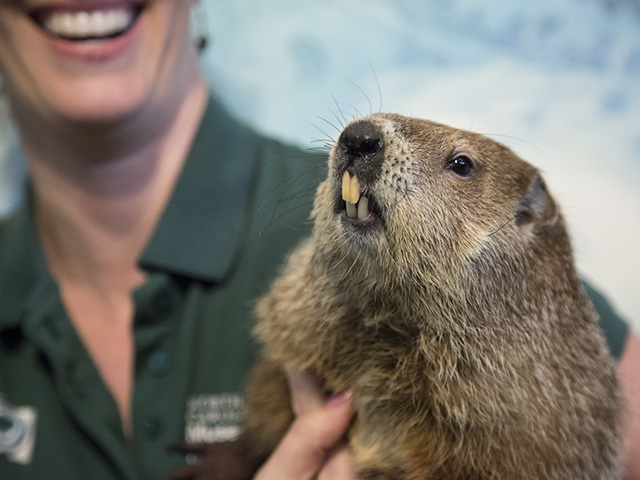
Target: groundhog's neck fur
456,310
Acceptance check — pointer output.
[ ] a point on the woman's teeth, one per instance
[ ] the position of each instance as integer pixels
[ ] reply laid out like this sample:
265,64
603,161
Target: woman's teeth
89,25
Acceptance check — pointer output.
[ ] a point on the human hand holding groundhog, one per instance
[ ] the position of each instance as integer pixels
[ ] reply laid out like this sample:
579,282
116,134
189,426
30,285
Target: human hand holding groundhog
313,446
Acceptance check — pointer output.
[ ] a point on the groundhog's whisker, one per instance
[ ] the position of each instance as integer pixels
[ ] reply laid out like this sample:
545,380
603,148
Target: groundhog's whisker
512,220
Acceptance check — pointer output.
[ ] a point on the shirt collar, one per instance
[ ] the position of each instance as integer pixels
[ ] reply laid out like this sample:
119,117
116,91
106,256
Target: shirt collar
200,232
24,276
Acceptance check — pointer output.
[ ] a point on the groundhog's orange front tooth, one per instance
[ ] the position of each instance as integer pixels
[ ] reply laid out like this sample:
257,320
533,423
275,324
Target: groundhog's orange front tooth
346,186
354,190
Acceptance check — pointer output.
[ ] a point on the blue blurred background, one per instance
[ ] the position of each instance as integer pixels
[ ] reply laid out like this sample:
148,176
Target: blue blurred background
556,80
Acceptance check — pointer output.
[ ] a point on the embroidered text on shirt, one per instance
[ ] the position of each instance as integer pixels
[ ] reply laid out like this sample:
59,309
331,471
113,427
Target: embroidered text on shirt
214,418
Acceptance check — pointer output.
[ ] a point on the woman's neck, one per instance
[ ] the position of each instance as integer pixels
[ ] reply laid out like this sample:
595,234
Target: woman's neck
100,192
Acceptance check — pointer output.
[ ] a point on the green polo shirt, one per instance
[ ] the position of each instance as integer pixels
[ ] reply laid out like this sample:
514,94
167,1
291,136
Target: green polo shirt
241,203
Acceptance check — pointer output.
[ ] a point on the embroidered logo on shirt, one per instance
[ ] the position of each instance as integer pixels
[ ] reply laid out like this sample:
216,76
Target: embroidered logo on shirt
214,418
17,432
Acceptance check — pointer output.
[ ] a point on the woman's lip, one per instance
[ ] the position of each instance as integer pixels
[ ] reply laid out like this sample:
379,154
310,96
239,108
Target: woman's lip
93,50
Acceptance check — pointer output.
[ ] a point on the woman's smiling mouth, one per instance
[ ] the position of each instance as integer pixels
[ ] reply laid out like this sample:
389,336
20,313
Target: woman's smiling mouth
100,23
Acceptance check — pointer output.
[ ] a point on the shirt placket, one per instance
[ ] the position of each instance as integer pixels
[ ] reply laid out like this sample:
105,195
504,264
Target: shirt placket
81,390
158,390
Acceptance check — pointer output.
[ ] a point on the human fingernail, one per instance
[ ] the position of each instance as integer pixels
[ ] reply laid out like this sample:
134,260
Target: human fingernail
338,399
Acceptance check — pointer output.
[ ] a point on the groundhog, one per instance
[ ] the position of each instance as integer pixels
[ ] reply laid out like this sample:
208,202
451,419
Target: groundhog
439,288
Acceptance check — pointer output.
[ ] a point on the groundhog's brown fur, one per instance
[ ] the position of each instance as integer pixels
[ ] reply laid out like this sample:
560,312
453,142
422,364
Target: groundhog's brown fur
453,314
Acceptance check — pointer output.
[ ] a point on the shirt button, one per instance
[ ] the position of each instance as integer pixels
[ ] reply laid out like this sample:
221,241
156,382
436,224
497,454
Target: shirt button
152,428
159,363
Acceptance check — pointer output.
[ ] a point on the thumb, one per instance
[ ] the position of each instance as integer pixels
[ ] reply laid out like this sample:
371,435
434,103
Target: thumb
311,437
306,391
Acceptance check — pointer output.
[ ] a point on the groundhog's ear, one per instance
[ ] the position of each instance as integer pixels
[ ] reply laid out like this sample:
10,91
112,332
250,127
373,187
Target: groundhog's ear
536,208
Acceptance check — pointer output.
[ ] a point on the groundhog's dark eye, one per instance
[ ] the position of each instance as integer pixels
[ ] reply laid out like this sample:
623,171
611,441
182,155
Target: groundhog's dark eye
461,165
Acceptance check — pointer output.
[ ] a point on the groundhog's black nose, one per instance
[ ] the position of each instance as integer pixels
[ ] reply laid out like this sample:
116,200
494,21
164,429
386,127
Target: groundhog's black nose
361,150
361,138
